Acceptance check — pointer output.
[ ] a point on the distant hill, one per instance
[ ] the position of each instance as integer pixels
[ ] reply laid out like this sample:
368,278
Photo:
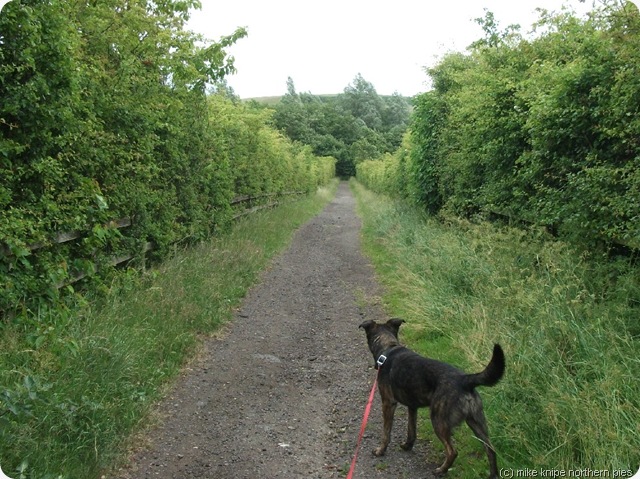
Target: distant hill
266,100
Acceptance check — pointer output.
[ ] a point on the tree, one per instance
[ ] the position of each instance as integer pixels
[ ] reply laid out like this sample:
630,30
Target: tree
351,127
361,99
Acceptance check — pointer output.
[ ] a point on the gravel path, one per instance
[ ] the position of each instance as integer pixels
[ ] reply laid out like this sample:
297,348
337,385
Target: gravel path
281,394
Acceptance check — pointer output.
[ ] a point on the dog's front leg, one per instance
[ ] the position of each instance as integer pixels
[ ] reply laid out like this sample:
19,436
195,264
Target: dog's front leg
411,430
388,410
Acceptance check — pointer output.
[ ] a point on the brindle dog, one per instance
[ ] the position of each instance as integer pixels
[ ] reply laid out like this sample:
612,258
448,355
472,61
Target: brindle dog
410,379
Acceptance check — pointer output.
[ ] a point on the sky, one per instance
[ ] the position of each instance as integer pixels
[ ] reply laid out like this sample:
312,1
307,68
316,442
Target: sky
322,46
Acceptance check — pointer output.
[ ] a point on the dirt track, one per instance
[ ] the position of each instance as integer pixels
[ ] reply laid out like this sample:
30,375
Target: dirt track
281,394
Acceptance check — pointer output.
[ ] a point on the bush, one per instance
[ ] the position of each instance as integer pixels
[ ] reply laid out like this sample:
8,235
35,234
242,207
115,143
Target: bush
542,130
105,116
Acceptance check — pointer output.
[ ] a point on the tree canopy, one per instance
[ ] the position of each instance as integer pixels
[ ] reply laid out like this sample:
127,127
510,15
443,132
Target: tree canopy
353,126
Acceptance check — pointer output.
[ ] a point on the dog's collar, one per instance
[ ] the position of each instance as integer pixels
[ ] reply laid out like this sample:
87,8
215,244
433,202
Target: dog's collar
383,357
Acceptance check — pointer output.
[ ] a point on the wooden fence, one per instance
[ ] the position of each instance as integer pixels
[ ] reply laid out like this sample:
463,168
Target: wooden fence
121,223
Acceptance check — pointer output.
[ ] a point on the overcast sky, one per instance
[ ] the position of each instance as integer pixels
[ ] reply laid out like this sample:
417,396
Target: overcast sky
322,46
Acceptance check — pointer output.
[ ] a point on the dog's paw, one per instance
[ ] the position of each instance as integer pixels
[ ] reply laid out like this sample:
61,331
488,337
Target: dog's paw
379,451
406,446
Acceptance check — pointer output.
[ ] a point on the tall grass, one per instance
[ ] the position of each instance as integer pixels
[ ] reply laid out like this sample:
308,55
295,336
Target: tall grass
569,325
75,385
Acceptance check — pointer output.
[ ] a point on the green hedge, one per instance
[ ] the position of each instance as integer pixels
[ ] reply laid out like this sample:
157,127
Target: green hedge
543,130
105,114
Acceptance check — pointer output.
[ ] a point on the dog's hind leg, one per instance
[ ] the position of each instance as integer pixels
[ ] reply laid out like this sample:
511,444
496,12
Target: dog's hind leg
411,430
478,425
388,410
443,431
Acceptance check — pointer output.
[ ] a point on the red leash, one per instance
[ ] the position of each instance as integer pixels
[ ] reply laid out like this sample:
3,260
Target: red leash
367,410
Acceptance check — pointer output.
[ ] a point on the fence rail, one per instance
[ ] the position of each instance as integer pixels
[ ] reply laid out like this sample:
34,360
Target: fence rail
244,198
120,223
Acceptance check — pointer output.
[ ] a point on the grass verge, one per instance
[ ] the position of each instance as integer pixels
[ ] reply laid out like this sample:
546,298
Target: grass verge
570,398
75,385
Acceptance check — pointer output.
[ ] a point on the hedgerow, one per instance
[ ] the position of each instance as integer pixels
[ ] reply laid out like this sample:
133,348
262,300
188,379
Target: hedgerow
108,113
542,130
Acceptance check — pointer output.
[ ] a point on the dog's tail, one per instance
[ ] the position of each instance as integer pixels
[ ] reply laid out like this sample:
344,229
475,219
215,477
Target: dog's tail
491,374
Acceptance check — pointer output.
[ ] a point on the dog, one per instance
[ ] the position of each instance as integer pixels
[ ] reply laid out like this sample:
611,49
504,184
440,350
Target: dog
407,378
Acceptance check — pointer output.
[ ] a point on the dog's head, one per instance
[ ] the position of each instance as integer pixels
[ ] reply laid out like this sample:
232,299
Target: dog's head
382,336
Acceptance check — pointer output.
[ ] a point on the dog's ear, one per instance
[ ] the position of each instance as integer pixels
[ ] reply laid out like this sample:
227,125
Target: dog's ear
367,324
395,323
